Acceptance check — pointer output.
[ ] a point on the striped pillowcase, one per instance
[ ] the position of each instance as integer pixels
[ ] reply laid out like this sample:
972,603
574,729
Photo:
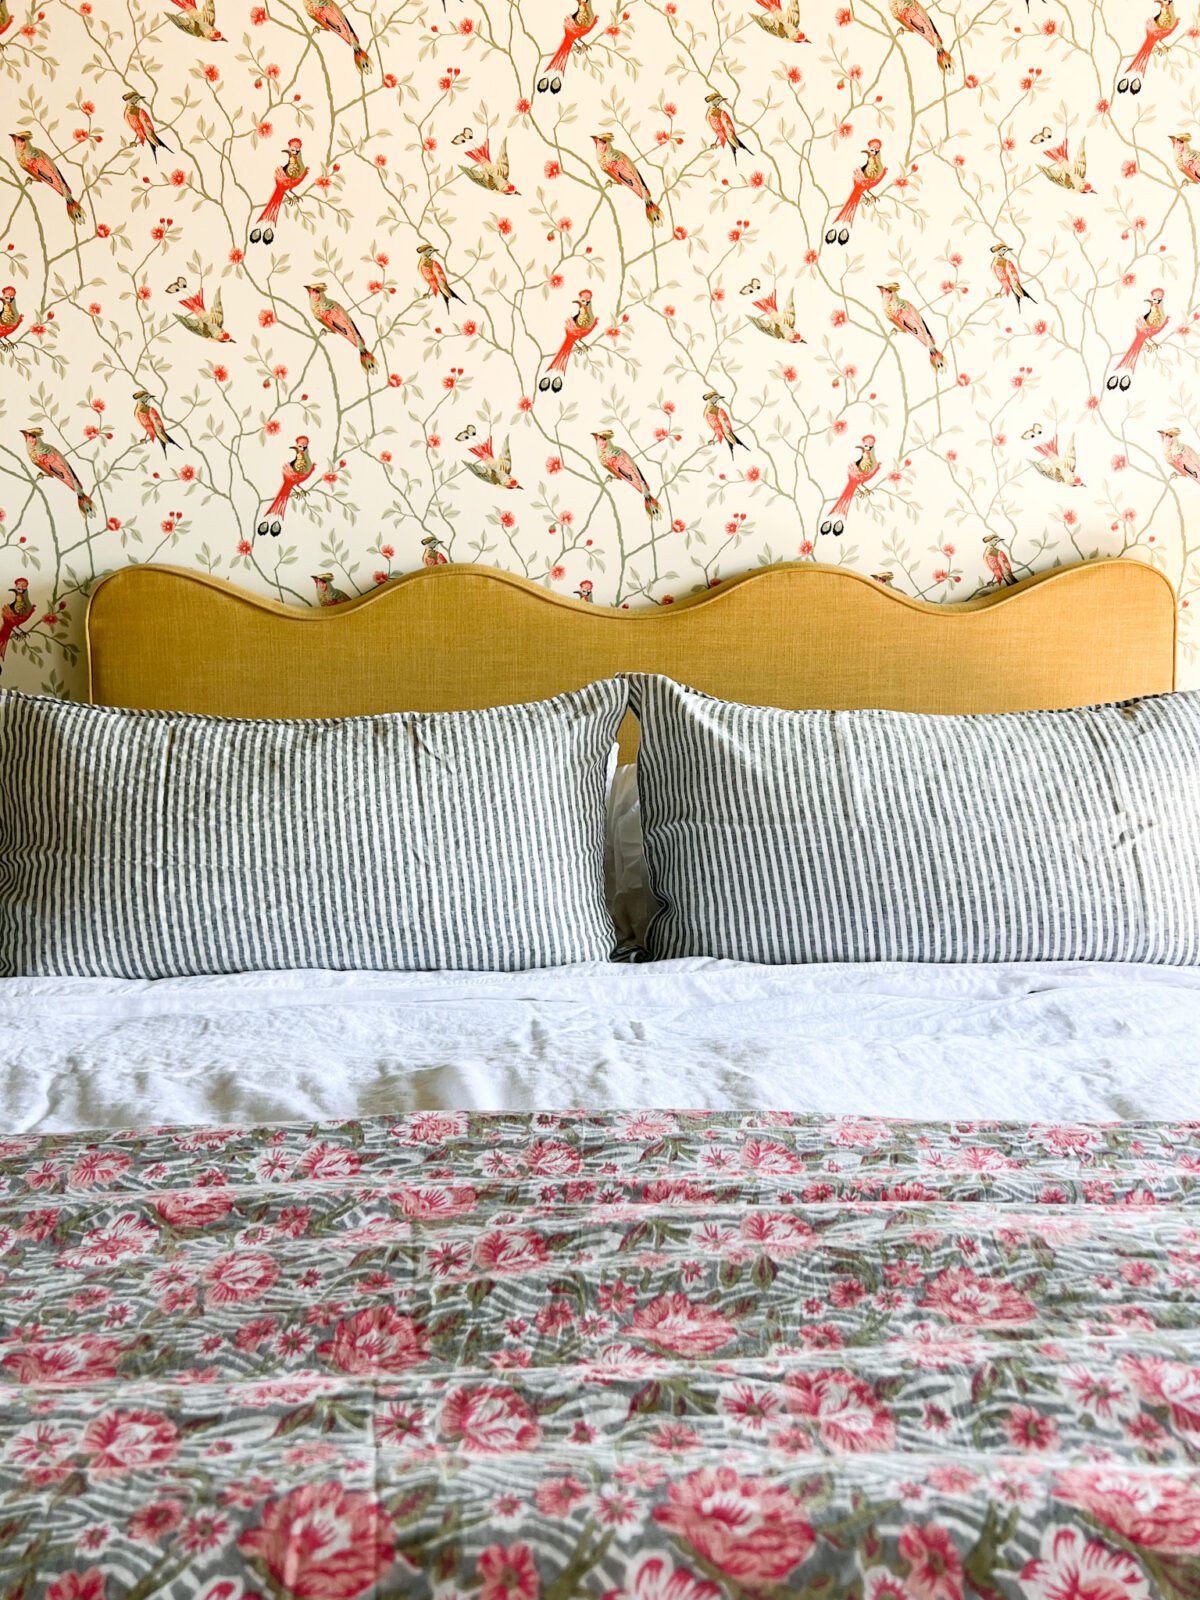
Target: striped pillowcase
146,844
802,836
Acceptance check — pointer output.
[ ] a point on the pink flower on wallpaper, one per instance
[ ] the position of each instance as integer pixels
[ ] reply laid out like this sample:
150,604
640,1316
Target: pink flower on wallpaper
324,1542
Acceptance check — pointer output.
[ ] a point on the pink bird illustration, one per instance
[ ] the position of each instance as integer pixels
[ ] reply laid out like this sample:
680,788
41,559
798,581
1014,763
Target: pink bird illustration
867,177
777,322
780,24
913,18
287,177
141,124
577,328
15,614
10,317
433,274
492,468
38,167
721,122
334,318
719,422
581,21
149,418
1159,28
907,319
617,167
995,559
1180,456
51,463
1187,157
1064,172
863,469
623,467
1008,276
1147,328
327,14
296,472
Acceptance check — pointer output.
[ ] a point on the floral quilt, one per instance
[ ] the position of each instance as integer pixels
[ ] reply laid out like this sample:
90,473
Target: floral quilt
620,1357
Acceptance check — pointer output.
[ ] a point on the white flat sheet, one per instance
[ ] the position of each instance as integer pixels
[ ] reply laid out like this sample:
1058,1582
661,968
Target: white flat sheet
1013,1042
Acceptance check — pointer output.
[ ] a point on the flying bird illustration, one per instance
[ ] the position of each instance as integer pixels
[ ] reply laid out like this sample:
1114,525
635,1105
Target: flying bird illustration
617,167
867,177
492,468
1058,467
1007,275
296,472
577,327
51,463
141,124
719,423
1158,29
199,21
489,174
10,318
434,274
1187,157
1064,172
14,614
287,178
1180,456
720,121
208,324
913,18
1146,329
776,323
39,168
148,417
327,594
995,559
780,24
580,22
907,319
623,467
327,14
862,470
334,318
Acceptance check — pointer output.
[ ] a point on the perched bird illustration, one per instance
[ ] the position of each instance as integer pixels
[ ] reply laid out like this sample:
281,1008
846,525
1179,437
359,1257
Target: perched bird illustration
617,167
336,319
14,614
297,471
580,22
864,468
577,327
584,591
721,122
913,18
327,594
1058,467
1180,456
1147,328
39,168
434,274
719,423
867,177
329,15
1064,172
492,468
775,323
1159,28
995,559
51,463
141,124
10,318
6,19
287,177
489,174
148,417
623,467
1007,275
209,324
197,20
434,555
883,578
907,319
1187,158
780,24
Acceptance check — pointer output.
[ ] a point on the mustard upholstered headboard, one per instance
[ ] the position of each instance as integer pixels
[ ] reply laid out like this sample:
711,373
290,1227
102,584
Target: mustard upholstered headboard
794,635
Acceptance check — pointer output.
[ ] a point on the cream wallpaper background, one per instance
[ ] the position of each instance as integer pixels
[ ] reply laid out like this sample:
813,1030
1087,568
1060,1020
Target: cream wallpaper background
192,386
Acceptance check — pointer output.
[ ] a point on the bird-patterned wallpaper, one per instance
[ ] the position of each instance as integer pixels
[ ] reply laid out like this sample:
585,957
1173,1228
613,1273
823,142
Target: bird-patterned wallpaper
308,292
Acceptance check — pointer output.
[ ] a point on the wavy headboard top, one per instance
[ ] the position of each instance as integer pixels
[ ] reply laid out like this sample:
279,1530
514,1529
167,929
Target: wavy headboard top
794,635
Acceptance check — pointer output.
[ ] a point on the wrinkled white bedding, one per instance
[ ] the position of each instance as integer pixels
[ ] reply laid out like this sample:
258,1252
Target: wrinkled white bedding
1017,1042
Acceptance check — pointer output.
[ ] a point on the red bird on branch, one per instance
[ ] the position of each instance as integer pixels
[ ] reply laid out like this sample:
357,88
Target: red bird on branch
38,167
578,327
861,472
1148,326
10,318
141,124
51,463
14,614
580,22
287,177
297,471
1159,28
869,176
329,15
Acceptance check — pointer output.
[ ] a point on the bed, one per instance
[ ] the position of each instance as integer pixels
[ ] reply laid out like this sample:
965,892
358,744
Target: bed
679,1280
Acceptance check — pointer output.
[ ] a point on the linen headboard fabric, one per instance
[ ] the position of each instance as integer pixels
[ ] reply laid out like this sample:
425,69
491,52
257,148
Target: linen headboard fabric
797,636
